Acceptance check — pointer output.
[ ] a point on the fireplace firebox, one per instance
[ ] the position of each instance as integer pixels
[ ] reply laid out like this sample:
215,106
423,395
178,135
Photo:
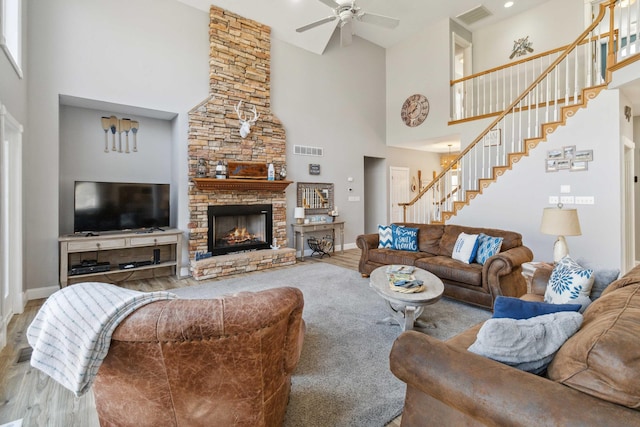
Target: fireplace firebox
239,228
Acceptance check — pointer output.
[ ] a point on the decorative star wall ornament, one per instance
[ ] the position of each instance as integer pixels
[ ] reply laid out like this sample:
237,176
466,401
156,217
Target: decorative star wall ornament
521,47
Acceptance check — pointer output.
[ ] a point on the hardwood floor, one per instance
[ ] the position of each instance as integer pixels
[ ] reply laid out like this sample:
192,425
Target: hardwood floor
28,394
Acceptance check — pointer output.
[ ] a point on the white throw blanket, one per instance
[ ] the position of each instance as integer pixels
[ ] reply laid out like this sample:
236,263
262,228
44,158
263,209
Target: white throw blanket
526,344
71,333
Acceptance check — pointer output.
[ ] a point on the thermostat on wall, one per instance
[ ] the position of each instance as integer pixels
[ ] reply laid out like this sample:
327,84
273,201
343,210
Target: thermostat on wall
314,169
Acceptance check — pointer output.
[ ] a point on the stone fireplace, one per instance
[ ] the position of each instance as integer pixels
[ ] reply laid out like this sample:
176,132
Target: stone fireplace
239,64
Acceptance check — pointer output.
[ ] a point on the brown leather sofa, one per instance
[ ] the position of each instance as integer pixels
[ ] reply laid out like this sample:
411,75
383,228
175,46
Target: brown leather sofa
472,283
216,362
593,380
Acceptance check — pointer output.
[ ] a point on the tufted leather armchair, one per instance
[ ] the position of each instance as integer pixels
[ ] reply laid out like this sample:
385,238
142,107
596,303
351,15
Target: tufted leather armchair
215,362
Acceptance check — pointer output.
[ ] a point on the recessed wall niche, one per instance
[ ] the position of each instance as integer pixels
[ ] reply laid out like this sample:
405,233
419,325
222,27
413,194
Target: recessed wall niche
82,155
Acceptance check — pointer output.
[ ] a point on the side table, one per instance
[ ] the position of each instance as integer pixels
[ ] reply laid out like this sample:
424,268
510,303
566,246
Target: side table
300,229
529,268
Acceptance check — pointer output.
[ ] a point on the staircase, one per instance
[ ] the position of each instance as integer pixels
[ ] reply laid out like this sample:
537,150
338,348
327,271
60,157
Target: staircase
574,75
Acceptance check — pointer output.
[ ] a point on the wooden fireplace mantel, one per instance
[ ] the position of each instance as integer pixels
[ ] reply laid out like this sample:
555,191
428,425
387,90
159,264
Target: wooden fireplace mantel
209,184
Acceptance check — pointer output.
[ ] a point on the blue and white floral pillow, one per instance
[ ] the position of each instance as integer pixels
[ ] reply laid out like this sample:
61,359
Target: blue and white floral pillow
487,247
385,237
569,284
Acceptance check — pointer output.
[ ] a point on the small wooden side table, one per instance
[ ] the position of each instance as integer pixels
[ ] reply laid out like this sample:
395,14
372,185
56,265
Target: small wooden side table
299,231
529,268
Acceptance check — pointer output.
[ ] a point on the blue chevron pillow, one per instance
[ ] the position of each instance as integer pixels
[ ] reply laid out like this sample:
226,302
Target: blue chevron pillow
385,236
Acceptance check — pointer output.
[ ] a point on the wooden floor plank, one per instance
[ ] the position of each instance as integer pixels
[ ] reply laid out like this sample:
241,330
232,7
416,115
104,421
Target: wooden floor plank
27,393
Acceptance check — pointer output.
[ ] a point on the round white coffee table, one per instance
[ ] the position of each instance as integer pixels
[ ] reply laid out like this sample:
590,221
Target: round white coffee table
406,308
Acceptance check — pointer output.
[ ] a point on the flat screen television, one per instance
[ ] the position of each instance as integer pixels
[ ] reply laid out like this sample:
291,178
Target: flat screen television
117,206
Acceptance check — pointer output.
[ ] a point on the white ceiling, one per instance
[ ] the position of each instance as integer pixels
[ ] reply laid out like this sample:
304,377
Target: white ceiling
284,16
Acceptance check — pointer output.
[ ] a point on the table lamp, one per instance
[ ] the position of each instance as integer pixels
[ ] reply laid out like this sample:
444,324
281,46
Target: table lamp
298,214
560,222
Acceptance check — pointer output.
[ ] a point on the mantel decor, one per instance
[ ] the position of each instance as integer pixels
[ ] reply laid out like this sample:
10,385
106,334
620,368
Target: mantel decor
209,184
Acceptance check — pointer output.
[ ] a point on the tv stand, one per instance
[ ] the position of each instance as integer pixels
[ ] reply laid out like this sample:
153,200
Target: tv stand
118,248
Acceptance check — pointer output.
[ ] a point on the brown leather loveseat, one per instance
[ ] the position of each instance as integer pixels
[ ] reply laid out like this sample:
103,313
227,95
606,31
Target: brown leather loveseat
472,283
593,380
216,362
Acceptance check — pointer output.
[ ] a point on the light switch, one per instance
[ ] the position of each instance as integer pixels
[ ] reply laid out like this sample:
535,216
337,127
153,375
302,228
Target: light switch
354,198
585,200
553,200
567,200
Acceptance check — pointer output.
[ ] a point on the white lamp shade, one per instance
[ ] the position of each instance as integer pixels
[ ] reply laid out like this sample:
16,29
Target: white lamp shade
560,222
298,213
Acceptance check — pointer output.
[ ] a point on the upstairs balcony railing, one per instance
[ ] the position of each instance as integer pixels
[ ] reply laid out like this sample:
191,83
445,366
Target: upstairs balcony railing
489,92
558,79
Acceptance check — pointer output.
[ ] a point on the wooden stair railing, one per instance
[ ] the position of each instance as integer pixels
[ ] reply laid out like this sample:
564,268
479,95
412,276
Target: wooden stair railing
527,121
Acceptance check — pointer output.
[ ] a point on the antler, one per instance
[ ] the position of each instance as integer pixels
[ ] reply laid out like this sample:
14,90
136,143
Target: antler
255,115
237,109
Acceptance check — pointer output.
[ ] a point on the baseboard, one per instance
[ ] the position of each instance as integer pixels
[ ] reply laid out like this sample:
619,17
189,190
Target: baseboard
40,293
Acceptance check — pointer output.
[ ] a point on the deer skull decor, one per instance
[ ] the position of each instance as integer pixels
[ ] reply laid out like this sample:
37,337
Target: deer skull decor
245,125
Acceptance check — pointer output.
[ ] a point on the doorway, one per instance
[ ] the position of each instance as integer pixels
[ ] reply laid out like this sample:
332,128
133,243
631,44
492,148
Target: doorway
10,220
628,201
375,191
461,66
399,184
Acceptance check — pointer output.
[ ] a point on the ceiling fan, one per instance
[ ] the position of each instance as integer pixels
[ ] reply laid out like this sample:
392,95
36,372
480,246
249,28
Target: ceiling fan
346,11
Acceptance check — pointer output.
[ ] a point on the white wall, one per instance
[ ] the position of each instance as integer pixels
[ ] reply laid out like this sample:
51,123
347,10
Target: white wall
550,25
515,201
153,56
82,156
336,101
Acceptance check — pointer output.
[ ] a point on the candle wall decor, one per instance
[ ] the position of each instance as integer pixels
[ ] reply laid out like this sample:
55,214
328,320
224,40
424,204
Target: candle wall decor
118,126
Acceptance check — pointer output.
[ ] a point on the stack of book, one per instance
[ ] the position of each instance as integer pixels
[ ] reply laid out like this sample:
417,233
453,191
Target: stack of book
401,279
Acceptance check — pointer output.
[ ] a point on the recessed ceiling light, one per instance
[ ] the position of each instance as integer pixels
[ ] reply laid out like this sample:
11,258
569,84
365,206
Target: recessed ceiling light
508,4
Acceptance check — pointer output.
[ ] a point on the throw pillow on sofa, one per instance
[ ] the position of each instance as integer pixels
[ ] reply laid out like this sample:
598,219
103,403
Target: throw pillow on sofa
465,248
487,247
515,308
569,283
385,237
603,277
526,344
405,238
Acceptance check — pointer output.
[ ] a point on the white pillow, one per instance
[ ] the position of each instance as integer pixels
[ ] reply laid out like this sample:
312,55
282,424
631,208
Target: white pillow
569,284
465,248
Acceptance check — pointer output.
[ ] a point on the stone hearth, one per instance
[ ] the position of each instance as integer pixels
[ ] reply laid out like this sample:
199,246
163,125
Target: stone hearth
240,56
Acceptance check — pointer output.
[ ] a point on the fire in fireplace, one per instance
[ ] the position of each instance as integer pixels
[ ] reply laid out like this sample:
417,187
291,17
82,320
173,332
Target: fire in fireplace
239,228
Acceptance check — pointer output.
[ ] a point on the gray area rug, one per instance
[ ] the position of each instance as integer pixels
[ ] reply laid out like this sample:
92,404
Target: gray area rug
343,378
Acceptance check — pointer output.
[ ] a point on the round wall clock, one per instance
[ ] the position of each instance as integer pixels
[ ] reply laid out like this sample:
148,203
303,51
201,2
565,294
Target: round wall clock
415,110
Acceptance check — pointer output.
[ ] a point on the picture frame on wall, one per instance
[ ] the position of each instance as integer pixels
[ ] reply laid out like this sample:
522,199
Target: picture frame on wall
563,164
493,138
555,154
583,156
569,151
550,165
578,166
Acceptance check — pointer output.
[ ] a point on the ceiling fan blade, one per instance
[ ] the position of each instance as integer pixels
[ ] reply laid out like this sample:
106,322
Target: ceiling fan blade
316,24
383,21
346,34
331,3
